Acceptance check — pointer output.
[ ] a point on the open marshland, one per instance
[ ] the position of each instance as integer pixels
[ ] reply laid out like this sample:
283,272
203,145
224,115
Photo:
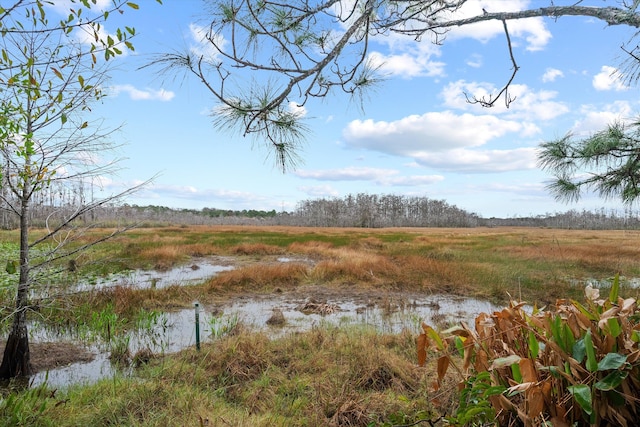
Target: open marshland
328,373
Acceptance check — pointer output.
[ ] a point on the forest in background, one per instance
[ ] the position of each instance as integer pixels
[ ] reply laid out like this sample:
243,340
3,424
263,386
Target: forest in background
359,210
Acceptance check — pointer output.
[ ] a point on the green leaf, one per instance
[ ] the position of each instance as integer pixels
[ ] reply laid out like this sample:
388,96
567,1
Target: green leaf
567,335
582,394
534,346
579,351
584,310
11,267
63,118
592,363
515,371
431,333
613,327
502,362
459,346
611,381
615,288
133,5
612,361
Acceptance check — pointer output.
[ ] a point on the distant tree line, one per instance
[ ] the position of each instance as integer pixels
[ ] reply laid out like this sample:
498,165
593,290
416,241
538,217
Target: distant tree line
374,211
359,210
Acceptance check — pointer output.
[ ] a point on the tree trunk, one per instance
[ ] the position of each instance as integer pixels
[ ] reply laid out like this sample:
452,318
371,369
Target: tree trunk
16,361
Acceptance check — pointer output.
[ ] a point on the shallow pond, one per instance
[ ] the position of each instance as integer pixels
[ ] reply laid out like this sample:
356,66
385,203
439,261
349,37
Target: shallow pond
177,330
388,312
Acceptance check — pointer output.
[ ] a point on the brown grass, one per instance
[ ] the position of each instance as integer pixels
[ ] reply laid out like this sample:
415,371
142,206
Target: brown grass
163,257
260,277
255,249
326,377
350,265
312,248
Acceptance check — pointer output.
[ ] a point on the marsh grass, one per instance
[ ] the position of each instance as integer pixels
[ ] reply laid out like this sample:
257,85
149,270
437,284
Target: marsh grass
326,376
259,277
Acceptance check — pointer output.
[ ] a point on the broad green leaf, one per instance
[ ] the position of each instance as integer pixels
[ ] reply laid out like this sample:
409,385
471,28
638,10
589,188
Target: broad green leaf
133,5
612,361
611,381
614,327
615,288
515,371
63,118
635,336
582,394
579,351
592,363
567,335
556,332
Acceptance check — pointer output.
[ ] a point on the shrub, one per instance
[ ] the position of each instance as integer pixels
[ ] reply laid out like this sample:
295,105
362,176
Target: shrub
574,365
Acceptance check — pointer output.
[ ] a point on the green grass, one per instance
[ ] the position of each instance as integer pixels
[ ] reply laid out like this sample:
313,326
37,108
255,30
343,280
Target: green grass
349,375
249,380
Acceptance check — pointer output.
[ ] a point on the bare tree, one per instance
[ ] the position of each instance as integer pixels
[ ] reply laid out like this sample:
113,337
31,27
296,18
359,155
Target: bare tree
305,50
49,79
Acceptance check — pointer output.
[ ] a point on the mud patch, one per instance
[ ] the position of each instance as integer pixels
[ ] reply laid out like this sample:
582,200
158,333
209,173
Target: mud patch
46,356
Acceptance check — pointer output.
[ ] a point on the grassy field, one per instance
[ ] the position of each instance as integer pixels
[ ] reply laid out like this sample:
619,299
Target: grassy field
343,377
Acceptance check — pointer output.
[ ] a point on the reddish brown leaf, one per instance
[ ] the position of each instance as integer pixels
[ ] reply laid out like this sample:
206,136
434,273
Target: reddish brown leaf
443,365
528,370
422,349
535,401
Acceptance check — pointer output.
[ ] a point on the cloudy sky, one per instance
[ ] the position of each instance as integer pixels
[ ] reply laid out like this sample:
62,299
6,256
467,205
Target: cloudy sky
416,135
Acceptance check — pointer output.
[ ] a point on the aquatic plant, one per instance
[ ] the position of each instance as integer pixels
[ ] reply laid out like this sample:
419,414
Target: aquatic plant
578,364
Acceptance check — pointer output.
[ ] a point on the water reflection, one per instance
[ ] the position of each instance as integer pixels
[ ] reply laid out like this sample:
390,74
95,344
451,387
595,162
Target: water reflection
176,330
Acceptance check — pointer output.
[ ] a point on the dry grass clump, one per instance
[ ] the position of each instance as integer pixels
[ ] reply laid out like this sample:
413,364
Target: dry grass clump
313,248
322,377
163,257
371,242
260,277
200,249
348,264
256,249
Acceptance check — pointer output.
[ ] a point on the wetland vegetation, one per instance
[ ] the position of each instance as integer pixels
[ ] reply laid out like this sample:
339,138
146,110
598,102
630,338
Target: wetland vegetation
329,374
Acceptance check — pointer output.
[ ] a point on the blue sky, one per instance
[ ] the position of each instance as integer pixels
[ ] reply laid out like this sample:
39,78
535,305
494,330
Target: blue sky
416,135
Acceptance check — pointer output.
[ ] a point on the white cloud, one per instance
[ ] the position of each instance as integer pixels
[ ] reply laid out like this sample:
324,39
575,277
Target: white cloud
346,174
406,64
609,78
532,30
529,104
215,197
551,74
594,120
413,180
480,161
203,47
384,177
430,132
319,191
147,94
474,61
297,110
